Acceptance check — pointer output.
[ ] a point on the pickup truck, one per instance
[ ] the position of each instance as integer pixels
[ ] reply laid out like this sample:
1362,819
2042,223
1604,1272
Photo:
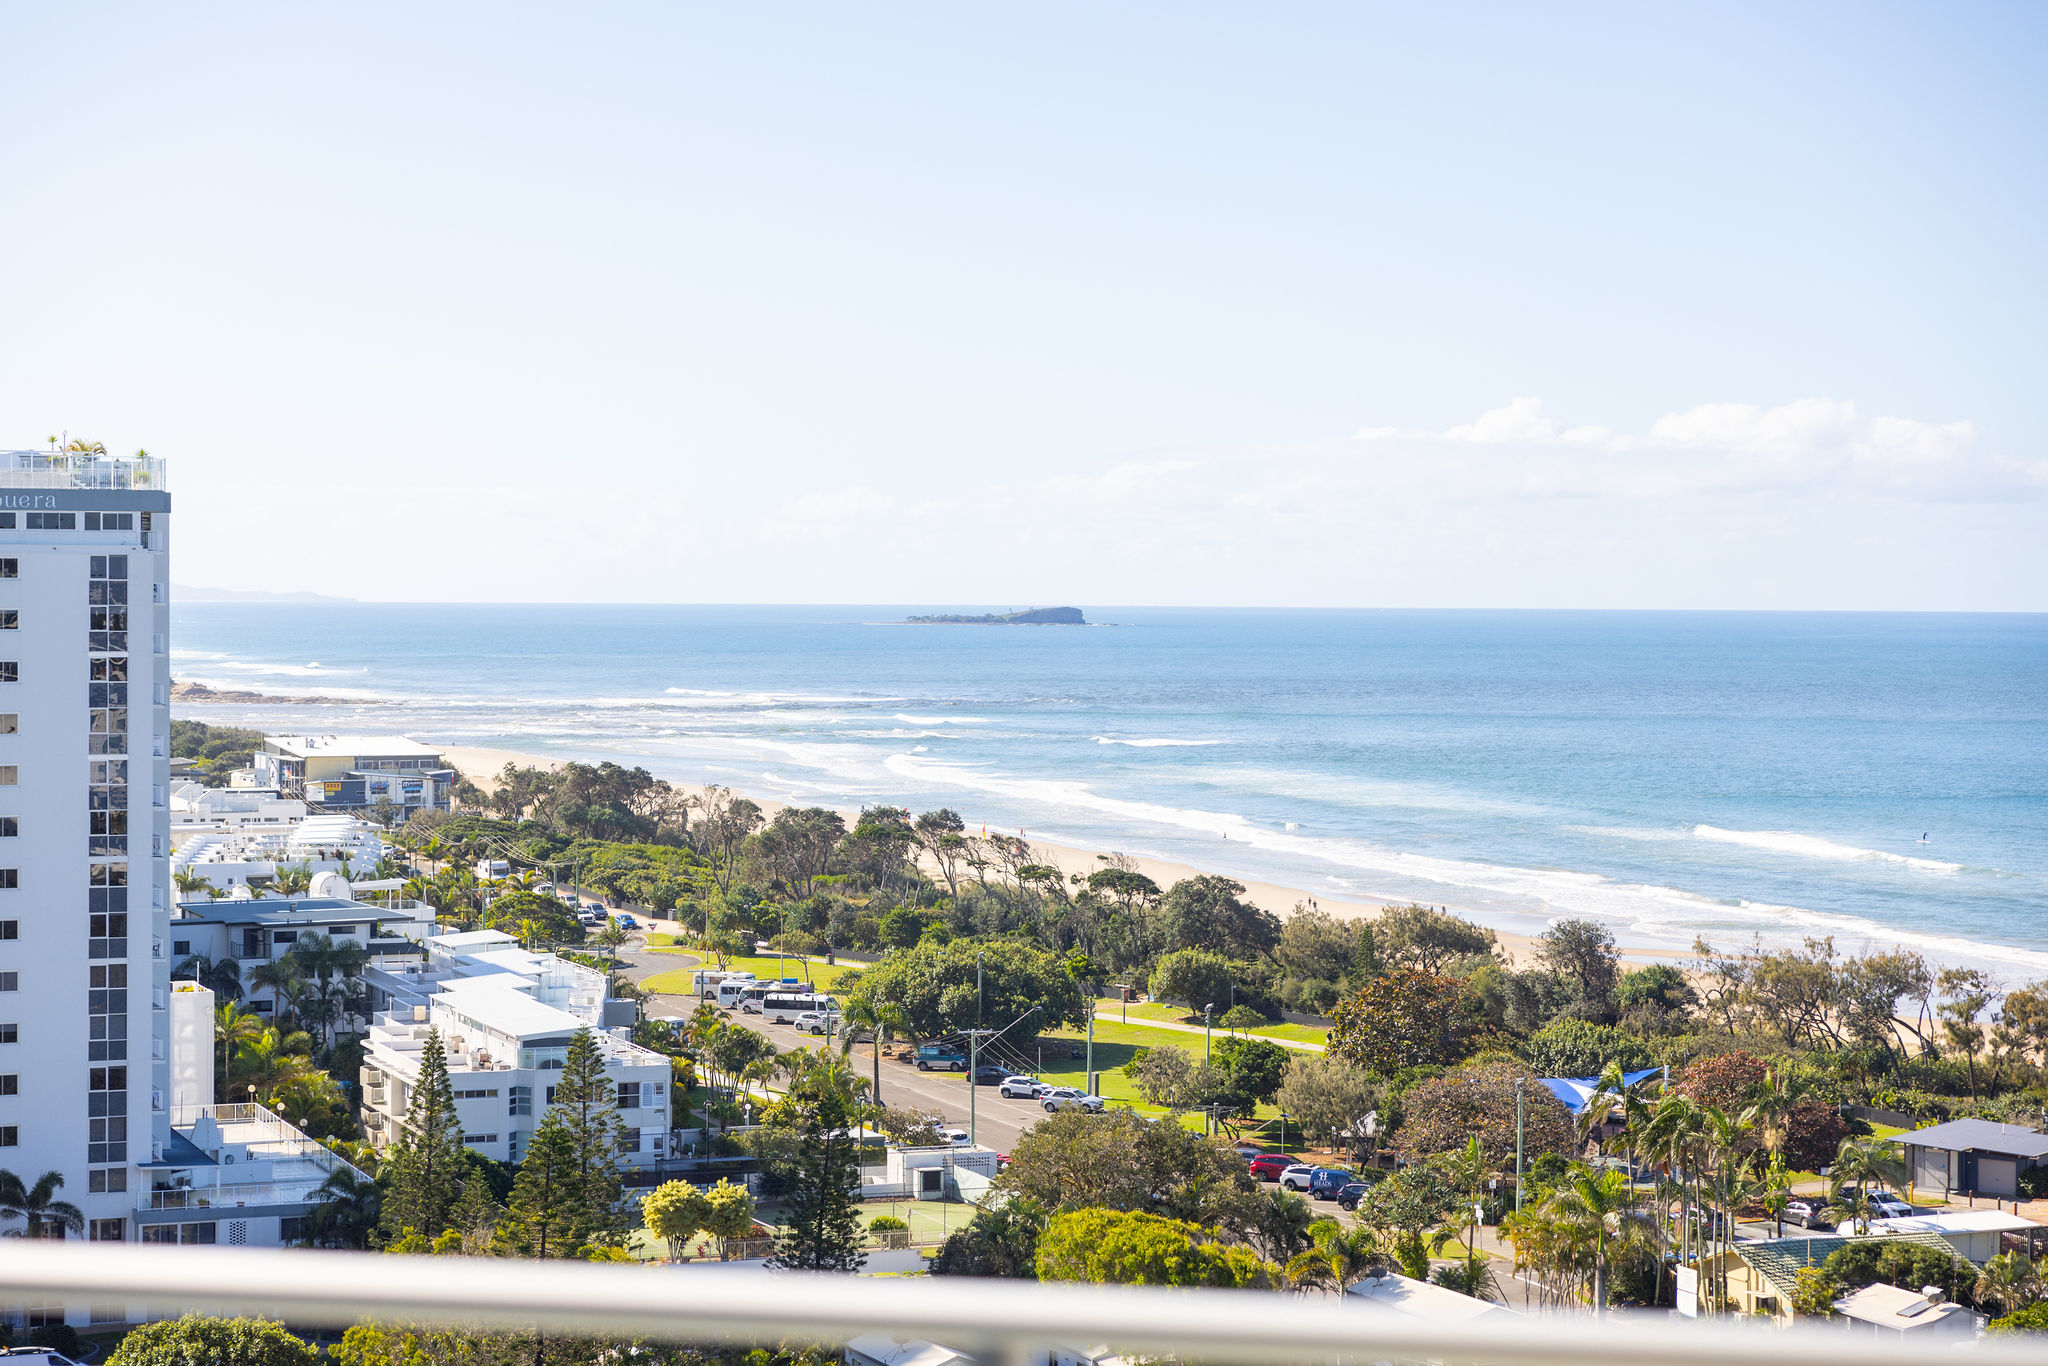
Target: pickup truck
942,1056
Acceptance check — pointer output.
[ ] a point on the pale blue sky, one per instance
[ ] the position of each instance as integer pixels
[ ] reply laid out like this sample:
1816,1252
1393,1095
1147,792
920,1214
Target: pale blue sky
1049,303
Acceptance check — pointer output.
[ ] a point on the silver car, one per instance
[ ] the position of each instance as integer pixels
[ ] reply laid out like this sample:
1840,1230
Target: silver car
1022,1088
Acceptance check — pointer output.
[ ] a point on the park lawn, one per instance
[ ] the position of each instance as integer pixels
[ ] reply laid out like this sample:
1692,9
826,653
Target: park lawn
1115,1045
767,969
1112,1009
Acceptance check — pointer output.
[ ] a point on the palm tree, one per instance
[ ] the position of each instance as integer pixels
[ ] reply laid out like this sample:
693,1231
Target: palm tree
1338,1258
191,883
1468,1172
306,1097
43,1214
223,978
2009,1281
271,1059
233,1028
1863,1163
1602,1210
347,1212
293,879
284,978
877,1020
1771,1112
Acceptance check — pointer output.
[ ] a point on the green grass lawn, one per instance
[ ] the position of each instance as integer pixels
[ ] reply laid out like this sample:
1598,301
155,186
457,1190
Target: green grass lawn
767,969
1112,1009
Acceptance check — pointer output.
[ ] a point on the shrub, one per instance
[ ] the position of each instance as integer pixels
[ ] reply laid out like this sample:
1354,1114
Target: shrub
1440,1114
887,1223
2032,1319
216,1341
1570,1047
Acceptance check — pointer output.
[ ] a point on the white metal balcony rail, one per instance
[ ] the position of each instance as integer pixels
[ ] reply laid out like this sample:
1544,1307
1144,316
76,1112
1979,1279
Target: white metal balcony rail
78,470
1002,1321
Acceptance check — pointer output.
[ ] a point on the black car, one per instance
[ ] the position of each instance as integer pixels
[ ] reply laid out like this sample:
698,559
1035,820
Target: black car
1351,1194
988,1074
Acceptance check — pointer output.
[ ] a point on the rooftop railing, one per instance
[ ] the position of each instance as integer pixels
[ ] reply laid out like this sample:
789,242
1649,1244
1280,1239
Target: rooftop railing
1009,1322
79,470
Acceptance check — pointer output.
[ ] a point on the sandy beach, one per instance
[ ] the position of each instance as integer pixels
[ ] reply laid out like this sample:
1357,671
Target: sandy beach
481,765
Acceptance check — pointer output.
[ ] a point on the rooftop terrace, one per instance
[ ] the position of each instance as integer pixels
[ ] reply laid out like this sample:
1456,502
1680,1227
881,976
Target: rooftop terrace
79,470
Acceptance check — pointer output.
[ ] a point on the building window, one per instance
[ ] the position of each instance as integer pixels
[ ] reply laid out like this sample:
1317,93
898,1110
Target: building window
53,521
10,981
10,929
106,1231
10,1136
10,826
9,775
10,723
10,671
291,1229
10,620
187,1234
10,1033
491,1094
479,1138
182,947
10,568
106,1180
521,1102
10,878
10,1083
629,1095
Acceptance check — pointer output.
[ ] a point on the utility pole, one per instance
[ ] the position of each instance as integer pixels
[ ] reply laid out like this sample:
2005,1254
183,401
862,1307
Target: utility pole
974,1053
1089,1066
1208,1111
1518,1145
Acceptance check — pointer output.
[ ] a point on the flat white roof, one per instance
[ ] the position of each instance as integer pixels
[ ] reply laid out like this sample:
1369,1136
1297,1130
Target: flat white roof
1887,1306
351,746
1957,1221
472,939
1421,1300
497,1003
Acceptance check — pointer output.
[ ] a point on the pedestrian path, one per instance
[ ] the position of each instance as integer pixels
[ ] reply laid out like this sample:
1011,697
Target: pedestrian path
1303,1045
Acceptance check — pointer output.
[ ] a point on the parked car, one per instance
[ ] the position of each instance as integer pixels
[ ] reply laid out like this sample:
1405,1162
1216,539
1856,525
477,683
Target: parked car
1023,1088
817,1021
1807,1213
988,1074
1248,1151
957,1137
1054,1101
1269,1166
1351,1193
1325,1182
1888,1206
942,1056
626,921
1297,1177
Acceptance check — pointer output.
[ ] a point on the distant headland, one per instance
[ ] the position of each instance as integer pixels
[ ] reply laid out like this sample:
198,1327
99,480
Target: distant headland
1037,616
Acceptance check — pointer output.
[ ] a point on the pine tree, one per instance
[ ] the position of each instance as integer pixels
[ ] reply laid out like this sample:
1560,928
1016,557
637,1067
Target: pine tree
587,1103
543,1217
822,1209
428,1162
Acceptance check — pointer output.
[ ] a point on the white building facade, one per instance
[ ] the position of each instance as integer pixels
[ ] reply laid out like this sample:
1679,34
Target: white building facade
84,825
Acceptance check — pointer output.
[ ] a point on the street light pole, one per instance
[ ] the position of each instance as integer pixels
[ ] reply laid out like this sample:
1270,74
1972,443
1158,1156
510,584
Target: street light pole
1518,1145
1208,1111
1089,1066
974,1053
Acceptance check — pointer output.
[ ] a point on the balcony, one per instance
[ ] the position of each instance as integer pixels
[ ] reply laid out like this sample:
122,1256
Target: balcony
79,470
999,1321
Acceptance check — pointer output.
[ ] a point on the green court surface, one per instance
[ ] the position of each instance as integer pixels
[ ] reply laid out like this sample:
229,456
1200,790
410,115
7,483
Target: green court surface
1170,1014
768,969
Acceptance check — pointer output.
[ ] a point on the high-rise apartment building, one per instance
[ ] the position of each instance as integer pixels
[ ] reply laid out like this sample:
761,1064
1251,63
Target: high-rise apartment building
84,825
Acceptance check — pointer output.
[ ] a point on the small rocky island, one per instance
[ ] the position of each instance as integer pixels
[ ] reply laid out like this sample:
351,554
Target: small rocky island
1037,616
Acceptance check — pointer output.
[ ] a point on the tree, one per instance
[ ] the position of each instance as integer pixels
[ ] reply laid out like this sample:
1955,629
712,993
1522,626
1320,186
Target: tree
821,1210
1572,1047
1337,1258
1119,1247
1441,1113
1248,1071
675,1212
798,846
1314,943
1206,912
545,1217
37,1206
215,1341
942,836
1119,1161
1403,1208
1000,1240
2009,1281
1602,1211
1330,1098
1194,976
1863,1164
1965,993
1424,940
934,986
1241,1017
728,1213
1582,953
587,1098
1406,1018
426,1164
1164,1076
552,920
345,1212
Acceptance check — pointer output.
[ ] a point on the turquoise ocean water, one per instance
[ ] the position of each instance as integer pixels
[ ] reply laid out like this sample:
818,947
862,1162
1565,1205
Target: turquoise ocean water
1880,778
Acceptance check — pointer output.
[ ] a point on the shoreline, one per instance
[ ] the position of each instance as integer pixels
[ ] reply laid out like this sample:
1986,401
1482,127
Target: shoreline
481,764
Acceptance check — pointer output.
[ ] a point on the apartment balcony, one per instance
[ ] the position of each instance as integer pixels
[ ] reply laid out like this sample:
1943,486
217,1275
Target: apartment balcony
79,470
998,1322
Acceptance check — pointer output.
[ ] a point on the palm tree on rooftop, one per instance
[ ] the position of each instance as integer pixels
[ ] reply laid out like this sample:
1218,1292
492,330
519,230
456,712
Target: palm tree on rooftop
42,1213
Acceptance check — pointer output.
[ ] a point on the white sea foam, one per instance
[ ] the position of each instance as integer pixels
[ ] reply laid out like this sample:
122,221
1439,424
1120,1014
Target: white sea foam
1813,846
1154,743
941,720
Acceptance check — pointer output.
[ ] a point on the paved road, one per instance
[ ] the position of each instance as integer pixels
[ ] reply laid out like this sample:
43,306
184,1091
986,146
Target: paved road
998,1120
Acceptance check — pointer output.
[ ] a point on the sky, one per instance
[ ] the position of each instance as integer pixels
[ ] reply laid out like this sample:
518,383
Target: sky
1718,306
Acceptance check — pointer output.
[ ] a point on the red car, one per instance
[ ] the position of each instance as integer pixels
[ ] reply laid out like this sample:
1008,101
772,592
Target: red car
1268,1166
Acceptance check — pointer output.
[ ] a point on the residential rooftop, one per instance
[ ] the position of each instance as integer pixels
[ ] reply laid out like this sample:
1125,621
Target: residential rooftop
350,746
1977,1135
77,470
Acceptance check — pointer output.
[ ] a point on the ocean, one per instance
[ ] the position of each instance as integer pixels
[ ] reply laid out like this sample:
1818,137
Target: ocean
1879,778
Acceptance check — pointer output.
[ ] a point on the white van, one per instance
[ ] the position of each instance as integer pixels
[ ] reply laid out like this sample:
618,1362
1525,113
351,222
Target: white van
780,1007
729,990
707,980
751,995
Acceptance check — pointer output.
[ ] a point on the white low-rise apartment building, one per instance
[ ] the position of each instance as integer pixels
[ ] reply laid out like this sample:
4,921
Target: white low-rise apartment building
355,772
506,1017
234,857
251,932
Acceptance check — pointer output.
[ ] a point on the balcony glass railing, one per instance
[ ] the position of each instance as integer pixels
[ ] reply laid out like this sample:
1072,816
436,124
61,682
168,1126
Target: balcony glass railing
997,1321
79,470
